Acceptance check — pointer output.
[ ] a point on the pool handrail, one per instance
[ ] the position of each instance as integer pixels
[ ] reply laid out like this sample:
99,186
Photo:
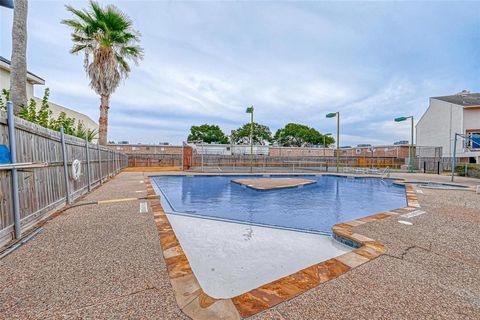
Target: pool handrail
385,173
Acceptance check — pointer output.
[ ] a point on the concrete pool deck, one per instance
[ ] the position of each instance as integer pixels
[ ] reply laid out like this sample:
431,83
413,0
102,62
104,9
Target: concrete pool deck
106,262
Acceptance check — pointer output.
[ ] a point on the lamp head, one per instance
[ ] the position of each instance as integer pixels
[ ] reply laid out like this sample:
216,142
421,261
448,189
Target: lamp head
6,3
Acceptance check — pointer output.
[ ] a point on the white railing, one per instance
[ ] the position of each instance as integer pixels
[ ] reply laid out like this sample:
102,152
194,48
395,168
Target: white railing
386,173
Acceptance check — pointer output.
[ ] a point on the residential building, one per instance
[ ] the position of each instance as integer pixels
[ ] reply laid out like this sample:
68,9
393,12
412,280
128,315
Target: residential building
300,152
228,149
33,80
448,115
384,151
145,148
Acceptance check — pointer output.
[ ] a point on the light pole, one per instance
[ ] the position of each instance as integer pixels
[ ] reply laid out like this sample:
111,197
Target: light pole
400,119
250,110
333,115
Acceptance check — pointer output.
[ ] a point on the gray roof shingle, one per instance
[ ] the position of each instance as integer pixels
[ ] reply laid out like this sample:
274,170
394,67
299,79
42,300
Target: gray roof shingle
463,98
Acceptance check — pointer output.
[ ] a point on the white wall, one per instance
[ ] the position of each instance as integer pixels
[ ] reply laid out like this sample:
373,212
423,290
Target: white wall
437,125
5,83
57,109
227,149
471,118
441,121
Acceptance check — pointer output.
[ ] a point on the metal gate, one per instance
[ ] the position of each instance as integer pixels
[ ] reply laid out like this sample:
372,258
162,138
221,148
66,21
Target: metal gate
187,157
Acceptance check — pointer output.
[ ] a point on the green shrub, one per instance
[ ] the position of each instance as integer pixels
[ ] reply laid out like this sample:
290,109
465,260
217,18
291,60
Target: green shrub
43,117
472,170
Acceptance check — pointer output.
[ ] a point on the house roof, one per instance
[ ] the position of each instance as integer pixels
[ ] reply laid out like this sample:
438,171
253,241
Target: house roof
464,98
31,77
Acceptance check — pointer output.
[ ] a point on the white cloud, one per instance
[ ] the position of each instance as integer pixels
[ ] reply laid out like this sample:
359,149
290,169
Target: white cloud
205,62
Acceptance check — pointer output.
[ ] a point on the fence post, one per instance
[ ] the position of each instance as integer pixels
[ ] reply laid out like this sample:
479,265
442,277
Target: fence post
88,165
65,166
13,155
108,163
99,163
454,156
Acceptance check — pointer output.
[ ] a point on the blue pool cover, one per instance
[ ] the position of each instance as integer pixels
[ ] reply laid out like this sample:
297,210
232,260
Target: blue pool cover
312,208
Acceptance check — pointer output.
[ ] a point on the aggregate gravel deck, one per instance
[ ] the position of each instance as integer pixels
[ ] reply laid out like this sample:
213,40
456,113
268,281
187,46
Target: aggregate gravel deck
105,262
98,262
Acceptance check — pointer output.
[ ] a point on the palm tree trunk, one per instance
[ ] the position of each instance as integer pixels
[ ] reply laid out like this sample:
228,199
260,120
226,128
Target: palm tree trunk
18,73
103,120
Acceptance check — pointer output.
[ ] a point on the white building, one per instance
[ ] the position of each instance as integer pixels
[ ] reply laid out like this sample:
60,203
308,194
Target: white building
5,78
32,80
228,149
445,116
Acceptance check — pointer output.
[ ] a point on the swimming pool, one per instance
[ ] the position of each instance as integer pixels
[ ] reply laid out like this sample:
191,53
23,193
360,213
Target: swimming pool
312,208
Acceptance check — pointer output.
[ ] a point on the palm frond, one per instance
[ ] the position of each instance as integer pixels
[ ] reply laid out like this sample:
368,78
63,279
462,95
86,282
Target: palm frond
106,36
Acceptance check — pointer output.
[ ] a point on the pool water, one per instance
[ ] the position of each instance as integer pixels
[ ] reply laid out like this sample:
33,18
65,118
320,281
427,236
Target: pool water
313,208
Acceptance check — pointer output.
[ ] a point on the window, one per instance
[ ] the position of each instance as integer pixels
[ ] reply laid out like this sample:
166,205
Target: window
162,149
134,148
473,141
358,151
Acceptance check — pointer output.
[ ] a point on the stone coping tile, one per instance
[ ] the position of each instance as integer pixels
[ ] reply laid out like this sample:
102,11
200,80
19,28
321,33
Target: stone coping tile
199,306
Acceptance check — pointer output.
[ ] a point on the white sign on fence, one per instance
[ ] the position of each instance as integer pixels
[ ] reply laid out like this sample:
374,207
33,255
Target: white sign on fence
76,169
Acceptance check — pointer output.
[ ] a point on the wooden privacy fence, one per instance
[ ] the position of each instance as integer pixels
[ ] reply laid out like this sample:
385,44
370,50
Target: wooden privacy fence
42,190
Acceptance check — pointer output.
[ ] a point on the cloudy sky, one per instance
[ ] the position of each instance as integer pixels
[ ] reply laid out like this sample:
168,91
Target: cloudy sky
205,62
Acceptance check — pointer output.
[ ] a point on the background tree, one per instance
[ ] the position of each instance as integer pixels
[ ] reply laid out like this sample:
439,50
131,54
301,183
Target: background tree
299,135
207,133
106,37
261,134
18,68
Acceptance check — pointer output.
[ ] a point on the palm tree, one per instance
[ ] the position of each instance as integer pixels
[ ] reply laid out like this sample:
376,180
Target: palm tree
18,73
106,37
